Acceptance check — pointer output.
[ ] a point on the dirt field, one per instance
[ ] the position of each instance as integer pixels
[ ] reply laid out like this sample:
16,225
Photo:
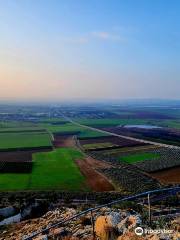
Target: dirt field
96,181
168,176
121,142
64,141
18,161
163,135
19,156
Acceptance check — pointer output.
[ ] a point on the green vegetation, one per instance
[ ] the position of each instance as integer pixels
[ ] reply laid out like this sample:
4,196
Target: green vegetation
139,157
98,145
72,129
13,135
11,125
57,170
65,128
24,140
51,170
110,122
52,120
86,133
14,181
21,129
171,124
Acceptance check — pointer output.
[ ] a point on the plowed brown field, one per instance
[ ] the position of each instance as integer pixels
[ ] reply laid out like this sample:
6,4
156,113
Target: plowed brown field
96,181
168,176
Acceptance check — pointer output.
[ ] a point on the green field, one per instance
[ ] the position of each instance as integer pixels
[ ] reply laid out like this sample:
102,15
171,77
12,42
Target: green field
26,134
52,120
11,125
21,129
129,121
110,122
98,145
24,140
71,129
133,158
86,133
13,135
83,132
54,170
172,124
65,128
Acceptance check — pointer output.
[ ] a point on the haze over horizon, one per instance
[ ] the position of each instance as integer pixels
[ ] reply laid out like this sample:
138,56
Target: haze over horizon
59,50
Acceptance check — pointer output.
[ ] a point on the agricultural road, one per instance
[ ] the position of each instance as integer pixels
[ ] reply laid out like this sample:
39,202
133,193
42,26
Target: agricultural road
119,135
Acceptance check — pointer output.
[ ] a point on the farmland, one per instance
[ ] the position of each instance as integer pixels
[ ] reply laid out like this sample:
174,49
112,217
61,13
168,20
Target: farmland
168,175
146,158
98,145
51,170
10,140
42,149
112,142
69,128
138,157
109,122
57,170
148,132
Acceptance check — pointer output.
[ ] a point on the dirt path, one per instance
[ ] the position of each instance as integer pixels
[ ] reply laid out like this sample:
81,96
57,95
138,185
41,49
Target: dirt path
96,163
95,180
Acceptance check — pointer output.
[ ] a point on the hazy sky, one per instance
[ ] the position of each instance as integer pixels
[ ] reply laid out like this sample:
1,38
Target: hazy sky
64,49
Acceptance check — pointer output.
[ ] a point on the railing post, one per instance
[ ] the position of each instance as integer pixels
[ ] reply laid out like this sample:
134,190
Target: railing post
92,222
149,209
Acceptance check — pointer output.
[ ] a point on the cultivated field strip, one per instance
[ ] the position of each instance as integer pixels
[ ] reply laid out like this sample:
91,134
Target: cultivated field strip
24,140
15,167
18,161
130,180
132,177
109,142
127,177
168,158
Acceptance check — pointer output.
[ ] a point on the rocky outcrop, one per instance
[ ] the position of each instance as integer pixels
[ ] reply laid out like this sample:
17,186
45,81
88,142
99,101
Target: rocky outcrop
109,224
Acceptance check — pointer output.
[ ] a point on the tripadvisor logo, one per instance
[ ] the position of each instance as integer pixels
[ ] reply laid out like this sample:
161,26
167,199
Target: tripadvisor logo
139,231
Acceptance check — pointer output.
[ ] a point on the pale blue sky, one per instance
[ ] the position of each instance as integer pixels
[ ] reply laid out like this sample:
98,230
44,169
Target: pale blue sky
64,49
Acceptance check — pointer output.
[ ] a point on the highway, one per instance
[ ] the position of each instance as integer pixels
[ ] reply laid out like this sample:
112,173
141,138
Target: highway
121,136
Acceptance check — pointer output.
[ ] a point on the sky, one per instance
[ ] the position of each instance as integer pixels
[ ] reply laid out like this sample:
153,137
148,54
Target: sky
89,49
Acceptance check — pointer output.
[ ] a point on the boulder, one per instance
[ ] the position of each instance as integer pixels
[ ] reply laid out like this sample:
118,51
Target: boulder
104,229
